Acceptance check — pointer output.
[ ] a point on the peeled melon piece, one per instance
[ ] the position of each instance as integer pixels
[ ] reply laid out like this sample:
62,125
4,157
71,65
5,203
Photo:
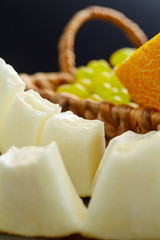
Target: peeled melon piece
10,84
25,119
126,198
37,197
81,143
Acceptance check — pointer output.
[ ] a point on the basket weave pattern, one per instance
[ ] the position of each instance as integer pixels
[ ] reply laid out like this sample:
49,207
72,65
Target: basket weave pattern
117,119
66,44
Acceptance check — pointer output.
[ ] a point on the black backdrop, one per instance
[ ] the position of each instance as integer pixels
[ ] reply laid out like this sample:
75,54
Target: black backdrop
30,29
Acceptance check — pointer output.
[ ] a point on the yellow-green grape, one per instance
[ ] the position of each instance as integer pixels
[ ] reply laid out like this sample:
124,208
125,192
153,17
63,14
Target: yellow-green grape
124,94
120,55
100,78
115,90
96,97
87,83
105,91
79,90
120,96
64,88
75,88
99,66
117,100
105,77
97,81
133,104
113,94
114,81
84,72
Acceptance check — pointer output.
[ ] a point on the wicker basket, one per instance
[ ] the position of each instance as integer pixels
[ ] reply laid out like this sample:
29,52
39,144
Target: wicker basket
117,119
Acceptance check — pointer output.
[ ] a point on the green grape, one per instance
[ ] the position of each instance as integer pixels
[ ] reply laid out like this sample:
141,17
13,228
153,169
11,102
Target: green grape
105,91
75,88
96,97
87,83
63,88
113,94
79,90
97,84
97,80
99,66
115,91
124,94
120,55
133,104
105,77
100,78
114,81
120,96
84,72
117,100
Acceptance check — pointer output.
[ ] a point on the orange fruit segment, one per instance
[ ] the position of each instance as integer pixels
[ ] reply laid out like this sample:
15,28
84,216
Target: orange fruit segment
140,74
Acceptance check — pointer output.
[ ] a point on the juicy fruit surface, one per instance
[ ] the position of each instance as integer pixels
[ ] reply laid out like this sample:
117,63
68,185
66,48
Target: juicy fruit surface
80,154
140,74
76,88
121,55
97,81
28,116
44,201
24,120
10,84
125,202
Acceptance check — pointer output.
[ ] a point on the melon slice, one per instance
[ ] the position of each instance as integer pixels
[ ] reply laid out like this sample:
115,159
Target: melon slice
25,119
10,84
81,143
126,198
37,197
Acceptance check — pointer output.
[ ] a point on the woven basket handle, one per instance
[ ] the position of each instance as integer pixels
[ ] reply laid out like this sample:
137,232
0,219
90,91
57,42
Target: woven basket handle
67,40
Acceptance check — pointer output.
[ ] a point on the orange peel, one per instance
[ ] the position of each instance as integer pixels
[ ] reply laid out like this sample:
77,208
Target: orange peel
140,74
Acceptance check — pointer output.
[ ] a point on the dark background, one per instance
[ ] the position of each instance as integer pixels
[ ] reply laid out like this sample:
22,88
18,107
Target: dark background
30,29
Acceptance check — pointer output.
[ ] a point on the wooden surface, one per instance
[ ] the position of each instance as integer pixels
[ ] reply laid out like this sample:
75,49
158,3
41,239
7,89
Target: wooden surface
10,237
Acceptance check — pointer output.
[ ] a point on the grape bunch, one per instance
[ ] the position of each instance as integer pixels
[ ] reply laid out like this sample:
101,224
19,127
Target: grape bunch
97,80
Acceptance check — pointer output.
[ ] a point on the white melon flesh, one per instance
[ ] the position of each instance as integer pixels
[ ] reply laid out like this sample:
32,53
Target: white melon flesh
37,197
10,84
126,198
81,143
25,119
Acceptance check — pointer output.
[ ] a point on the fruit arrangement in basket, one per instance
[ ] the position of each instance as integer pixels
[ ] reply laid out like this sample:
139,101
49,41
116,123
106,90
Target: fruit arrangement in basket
97,81
117,118
51,158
